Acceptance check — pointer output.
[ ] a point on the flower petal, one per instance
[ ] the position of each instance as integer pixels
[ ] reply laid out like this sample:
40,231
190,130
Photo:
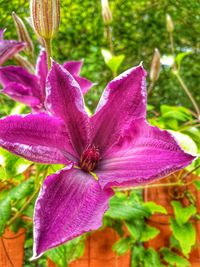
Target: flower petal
70,203
65,100
15,74
42,71
84,84
39,138
143,154
20,93
74,68
123,100
8,49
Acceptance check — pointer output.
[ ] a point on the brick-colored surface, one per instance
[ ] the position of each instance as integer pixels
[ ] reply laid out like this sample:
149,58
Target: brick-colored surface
98,252
163,196
12,248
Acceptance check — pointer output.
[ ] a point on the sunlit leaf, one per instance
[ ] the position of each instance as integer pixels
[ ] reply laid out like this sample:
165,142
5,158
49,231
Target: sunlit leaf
174,259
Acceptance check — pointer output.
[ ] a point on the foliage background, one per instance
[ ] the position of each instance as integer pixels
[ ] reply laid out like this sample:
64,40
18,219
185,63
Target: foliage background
138,27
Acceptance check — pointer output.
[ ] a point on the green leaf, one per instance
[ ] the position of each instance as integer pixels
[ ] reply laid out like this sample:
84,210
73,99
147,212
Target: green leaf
197,185
185,142
135,228
154,208
113,62
173,112
180,57
12,164
152,258
149,233
68,252
5,212
183,214
122,246
185,234
126,210
22,190
137,256
174,259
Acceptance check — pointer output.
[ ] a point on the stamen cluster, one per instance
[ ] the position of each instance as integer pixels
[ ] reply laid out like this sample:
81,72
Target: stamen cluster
89,158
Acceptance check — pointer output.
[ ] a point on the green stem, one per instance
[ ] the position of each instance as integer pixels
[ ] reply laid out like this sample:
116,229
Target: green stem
18,214
187,91
172,43
149,91
183,85
109,38
47,43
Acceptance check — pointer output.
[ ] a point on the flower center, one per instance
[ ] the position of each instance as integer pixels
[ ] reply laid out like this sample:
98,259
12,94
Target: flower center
89,158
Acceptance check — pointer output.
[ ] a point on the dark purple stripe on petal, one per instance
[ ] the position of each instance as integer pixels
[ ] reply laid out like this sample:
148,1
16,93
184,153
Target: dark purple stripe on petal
15,74
70,203
42,71
39,138
65,100
8,49
123,100
145,153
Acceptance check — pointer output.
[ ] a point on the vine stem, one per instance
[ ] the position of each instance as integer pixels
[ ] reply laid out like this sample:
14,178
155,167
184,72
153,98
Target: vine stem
187,91
18,214
47,43
179,183
180,80
149,91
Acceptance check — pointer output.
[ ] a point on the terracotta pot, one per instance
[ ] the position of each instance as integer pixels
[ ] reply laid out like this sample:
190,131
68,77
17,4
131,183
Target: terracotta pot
98,252
12,248
163,196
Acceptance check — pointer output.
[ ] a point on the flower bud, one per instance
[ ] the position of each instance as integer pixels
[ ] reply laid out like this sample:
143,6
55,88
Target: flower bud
155,66
106,12
169,23
23,34
45,15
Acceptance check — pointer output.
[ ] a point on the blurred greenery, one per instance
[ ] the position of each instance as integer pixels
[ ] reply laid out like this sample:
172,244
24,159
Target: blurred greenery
138,27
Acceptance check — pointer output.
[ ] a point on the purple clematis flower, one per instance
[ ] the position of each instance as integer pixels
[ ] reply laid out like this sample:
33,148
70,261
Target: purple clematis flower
29,88
8,48
114,147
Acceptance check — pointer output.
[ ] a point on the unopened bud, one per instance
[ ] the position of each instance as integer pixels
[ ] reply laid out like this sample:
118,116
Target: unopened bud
23,62
23,34
45,15
169,23
106,12
155,66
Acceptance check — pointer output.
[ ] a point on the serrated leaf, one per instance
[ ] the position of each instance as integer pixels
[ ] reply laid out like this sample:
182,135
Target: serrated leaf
174,259
5,212
121,246
183,214
154,208
185,234
149,233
